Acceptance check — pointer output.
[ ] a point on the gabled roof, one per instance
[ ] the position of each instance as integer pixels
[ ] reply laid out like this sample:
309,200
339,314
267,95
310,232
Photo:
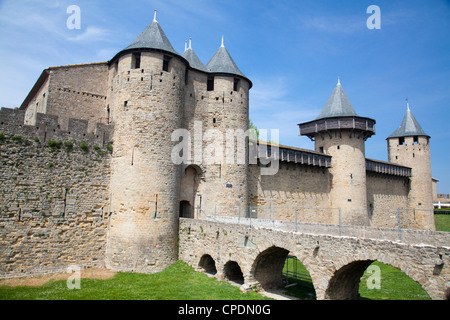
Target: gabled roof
337,105
409,127
153,37
221,62
193,59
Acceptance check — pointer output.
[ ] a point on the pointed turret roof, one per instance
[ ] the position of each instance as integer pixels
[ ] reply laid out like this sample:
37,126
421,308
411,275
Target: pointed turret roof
409,127
337,105
192,58
338,114
153,37
221,62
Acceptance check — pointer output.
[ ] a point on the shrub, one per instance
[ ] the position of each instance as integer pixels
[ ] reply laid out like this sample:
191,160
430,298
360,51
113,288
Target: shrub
96,148
109,147
84,146
17,139
55,144
68,145
36,139
2,136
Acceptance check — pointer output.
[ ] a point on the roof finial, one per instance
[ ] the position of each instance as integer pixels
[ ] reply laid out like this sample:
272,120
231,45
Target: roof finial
407,104
222,45
185,45
339,81
190,43
154,17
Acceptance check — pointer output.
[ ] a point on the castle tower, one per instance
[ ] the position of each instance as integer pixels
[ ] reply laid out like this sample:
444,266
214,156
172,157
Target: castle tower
339,132
409,146
228,113
145,97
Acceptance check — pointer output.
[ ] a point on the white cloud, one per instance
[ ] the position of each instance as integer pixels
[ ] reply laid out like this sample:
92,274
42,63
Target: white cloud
91,34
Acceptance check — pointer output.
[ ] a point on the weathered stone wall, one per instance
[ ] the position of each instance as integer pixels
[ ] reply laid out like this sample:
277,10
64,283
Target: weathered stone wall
295,186
76,91
38,104
54,201
385,195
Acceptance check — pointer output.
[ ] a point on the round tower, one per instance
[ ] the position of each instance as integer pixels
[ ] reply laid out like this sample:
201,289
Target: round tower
216,115
339,132
409,146
145,98
228,113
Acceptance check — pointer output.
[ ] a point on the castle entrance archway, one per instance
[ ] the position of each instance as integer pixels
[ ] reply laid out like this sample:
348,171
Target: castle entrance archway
189,186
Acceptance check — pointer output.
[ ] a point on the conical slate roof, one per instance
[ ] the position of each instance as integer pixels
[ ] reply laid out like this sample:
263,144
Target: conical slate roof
409,127
337,105
193,59
153,37
221,62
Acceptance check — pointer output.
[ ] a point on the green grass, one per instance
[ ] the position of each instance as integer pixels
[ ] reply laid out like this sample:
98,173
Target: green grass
442,222
303,288
394,285
177,282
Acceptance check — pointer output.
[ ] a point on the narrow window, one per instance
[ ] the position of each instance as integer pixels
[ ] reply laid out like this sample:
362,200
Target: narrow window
136,60
416,139
321,149
166,63
108,113
214,120
401,141
236,84
210,84
186,76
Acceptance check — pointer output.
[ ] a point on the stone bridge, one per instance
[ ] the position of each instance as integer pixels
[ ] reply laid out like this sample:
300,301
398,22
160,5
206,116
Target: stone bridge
335,263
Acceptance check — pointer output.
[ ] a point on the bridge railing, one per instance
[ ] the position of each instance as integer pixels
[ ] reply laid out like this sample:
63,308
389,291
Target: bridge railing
329,221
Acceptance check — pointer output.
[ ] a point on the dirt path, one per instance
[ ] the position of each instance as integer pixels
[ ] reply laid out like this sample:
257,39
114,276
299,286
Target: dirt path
101,274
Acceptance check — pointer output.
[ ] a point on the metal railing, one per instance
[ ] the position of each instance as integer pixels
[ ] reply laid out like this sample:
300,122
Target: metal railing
403,225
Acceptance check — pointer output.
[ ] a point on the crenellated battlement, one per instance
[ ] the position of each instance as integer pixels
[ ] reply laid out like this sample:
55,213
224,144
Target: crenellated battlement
47,128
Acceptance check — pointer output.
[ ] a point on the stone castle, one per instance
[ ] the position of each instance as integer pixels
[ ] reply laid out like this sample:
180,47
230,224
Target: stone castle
88,177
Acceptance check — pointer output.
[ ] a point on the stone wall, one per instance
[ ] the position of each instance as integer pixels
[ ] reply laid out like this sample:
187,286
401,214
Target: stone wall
385,195
295,186
76,91
54,197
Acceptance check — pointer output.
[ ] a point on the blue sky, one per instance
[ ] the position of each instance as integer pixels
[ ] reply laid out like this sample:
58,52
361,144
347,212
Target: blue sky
293,51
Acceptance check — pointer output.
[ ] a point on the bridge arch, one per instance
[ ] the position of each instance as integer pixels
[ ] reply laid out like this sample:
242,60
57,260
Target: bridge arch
268,266
208,264
233,272
344,283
